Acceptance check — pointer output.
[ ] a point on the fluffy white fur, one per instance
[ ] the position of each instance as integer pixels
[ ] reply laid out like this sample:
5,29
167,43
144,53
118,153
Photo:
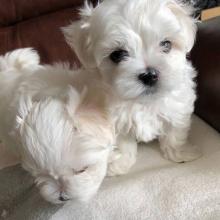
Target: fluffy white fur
141,112
56,121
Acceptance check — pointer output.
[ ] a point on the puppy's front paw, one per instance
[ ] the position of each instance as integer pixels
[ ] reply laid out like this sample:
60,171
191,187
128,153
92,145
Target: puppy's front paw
121,164
184,153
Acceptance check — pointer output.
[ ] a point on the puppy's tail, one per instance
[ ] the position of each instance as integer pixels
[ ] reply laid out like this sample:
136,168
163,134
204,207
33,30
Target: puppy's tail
15,65
19,60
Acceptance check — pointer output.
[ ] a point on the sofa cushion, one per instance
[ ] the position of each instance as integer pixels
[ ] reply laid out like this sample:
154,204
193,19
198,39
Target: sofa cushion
42,33
36,23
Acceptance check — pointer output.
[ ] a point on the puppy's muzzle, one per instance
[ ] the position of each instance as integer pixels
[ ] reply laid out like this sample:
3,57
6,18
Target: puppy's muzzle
150,77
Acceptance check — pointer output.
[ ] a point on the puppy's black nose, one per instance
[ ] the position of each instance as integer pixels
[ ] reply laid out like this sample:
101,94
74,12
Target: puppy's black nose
150,77
63,198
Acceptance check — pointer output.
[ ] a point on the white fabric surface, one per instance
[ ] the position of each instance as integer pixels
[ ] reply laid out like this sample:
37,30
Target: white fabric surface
157,189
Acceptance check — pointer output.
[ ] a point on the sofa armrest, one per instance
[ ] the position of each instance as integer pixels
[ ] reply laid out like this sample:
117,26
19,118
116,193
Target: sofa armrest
206,58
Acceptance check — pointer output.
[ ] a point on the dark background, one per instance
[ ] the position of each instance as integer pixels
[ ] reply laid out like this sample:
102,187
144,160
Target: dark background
203,4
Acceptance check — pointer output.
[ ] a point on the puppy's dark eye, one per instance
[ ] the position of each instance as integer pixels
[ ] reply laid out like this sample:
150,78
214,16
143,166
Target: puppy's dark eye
75,129
76,172
118,55
166,46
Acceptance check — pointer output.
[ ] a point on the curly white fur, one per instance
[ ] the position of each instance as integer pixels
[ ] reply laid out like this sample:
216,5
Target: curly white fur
139,111
57,125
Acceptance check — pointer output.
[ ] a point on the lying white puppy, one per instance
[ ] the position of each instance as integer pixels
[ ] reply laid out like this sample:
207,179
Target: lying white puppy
140,49
57,123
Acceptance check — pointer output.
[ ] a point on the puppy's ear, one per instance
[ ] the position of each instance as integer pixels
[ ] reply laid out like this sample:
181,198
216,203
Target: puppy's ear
183,13
25,106
78,37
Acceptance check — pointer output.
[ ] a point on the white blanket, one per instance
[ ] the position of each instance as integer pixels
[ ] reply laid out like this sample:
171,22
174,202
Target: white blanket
158,189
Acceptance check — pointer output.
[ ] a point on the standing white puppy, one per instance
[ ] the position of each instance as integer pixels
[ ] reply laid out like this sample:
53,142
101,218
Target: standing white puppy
140,49
57,124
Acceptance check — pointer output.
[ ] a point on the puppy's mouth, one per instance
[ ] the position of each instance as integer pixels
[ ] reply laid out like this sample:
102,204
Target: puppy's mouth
150,91
143,94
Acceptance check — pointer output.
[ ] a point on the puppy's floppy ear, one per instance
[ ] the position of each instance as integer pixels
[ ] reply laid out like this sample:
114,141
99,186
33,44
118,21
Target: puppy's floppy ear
183,14
25,106
78,37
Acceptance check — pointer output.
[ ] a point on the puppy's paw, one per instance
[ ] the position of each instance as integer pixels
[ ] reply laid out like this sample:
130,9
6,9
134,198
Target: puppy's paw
114,155
120,164
184,153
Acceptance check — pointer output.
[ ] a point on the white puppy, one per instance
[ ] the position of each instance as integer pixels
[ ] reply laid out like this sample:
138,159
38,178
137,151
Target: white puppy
140,49
57,125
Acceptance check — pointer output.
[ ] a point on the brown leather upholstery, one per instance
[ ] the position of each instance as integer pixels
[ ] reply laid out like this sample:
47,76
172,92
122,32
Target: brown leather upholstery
14,11
206,58
36,23
42,33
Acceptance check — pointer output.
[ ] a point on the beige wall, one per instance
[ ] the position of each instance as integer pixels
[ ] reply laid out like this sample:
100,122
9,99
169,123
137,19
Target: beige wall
210,13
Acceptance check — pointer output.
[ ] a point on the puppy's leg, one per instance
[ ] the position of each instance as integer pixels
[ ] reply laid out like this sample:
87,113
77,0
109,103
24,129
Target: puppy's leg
174,145
124,157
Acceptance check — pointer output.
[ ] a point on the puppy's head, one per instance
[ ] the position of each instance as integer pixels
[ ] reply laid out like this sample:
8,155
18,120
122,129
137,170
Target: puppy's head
64,146
140,46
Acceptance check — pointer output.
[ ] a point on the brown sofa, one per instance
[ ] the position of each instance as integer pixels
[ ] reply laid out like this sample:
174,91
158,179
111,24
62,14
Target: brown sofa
206,58
25,23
